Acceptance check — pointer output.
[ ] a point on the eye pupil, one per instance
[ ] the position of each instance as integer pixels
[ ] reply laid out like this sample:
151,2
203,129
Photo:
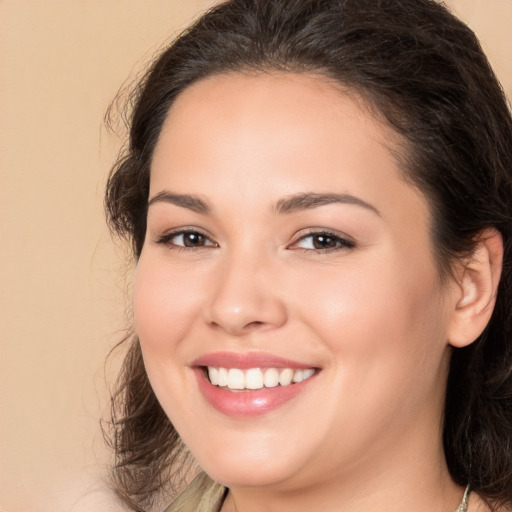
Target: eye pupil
323,242
193,239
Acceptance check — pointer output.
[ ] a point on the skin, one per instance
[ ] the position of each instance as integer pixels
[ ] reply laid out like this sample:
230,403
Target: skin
373,314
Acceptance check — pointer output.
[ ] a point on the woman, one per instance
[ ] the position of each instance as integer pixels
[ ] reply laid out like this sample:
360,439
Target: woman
318,197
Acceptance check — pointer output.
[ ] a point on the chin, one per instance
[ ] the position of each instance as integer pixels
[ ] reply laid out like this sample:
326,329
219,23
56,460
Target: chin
247,474
246,467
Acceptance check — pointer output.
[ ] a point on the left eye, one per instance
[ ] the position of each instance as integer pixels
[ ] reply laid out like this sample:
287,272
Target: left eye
188,239
323,242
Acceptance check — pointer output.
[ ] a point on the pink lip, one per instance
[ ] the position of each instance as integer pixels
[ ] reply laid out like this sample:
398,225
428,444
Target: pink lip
246,361
247,403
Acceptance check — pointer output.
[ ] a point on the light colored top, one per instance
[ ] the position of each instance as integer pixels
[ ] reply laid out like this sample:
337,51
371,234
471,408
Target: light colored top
201,495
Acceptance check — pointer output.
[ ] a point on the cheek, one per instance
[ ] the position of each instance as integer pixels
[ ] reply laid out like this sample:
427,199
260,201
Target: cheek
385,310
385,332
165,303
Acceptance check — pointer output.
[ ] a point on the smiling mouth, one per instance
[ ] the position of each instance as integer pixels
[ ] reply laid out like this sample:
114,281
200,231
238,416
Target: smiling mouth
236,379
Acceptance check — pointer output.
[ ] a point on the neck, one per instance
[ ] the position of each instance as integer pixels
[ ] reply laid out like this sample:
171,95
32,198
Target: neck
426,498
400,480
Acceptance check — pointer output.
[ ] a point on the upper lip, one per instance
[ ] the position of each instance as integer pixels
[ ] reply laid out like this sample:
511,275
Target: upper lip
247,360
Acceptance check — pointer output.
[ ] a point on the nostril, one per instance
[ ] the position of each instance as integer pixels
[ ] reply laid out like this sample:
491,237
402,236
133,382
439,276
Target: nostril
256,323
241,328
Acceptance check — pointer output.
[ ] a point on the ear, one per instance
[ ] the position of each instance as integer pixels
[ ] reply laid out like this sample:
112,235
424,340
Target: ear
476,289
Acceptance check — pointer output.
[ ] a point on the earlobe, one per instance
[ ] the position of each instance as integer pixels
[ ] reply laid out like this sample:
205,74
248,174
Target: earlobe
477,288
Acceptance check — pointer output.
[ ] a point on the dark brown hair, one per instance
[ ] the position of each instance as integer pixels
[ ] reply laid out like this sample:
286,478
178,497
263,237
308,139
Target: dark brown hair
422,70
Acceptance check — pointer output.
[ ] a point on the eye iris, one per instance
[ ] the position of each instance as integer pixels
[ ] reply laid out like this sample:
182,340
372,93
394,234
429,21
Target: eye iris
324,242
193,239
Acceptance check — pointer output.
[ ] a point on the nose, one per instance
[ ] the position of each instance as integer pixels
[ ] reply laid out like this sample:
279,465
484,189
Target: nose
245,297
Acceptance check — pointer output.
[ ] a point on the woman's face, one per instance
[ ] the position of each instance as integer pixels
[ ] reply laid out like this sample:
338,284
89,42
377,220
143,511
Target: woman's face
283,244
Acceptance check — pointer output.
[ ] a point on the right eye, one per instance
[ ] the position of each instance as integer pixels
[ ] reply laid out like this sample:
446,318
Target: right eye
186,239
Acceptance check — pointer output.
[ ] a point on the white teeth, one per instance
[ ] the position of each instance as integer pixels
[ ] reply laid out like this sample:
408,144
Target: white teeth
236,379
256,378
213,375
271,378
298,376
285,377
223,377
253,379
307,373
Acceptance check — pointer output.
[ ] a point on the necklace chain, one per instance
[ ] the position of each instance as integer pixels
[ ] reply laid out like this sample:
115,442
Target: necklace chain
464,503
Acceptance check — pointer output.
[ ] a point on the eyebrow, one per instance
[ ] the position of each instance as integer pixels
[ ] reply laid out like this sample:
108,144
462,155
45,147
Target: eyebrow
287,205
191,202
307,201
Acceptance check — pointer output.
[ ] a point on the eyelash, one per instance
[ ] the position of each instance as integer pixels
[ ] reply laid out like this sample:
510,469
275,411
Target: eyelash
339,241
166,239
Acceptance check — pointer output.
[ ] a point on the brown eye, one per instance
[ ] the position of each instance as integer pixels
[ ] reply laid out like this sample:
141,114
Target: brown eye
323,242
188,239
192,239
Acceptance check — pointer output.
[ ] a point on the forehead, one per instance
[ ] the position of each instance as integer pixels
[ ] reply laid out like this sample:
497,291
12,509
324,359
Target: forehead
269,115
298,94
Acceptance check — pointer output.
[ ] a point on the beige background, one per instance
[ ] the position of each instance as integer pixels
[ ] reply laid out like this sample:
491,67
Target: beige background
62,283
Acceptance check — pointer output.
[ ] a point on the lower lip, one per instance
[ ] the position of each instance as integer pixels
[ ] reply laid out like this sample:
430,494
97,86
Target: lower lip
248,403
